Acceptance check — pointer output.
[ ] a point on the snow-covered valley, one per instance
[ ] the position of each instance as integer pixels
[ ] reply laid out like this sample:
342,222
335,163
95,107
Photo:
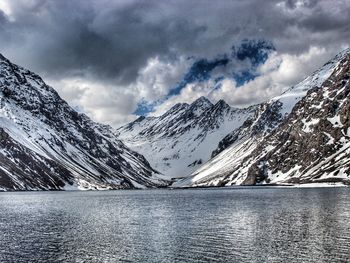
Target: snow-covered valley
299,137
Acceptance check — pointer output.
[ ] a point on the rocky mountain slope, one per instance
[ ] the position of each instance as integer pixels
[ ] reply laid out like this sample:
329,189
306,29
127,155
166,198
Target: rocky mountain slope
45,144
301,136
179,141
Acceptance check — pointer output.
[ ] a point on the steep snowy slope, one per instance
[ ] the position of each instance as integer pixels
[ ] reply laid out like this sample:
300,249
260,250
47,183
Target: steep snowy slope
313,144
238,158
182,139
45,144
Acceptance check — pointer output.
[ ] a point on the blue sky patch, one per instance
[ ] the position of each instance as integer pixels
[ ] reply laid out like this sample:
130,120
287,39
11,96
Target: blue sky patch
199,71
243,77
255,52
144,107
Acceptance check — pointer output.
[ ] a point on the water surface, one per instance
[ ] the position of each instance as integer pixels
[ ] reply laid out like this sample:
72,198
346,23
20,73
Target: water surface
194,225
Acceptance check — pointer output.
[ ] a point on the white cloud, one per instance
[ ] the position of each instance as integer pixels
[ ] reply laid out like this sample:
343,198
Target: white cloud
102,102
187,95
124,50
112,104
5,7
158,77
278,73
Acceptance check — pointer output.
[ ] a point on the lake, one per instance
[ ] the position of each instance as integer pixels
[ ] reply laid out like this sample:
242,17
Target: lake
192,225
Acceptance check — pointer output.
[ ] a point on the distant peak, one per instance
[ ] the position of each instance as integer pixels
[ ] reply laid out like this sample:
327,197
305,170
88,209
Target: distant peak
202,101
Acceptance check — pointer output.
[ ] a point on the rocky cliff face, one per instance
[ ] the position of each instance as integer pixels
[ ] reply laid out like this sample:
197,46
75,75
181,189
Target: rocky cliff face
298,137
313,143
182,139
45,144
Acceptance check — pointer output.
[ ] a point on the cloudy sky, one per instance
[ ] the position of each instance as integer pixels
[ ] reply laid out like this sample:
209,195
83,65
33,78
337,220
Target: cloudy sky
115,59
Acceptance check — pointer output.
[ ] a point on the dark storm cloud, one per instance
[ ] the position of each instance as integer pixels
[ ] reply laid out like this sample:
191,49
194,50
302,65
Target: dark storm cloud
114,39
96,51
106,39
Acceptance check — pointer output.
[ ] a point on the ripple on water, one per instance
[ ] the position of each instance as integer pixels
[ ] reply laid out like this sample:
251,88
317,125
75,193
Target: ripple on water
202,225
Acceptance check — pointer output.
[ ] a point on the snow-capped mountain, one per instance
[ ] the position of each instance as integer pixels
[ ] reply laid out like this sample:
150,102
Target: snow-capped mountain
45,144
301,136
179,141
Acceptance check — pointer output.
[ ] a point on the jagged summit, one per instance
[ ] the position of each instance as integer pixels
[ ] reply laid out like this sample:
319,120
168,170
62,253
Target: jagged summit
202,102
182,139
46,144
200,105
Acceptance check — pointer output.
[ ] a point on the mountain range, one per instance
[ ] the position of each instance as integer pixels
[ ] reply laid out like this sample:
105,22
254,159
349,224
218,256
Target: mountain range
299,137
182,139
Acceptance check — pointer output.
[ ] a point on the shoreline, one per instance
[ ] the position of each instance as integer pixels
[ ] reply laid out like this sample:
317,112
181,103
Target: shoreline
237,187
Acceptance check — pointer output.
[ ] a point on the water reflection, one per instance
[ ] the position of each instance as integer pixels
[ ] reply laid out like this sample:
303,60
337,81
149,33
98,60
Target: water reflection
244,225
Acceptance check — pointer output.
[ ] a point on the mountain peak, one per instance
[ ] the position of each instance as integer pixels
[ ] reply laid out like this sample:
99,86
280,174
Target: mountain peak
179,141
202,101
200,105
